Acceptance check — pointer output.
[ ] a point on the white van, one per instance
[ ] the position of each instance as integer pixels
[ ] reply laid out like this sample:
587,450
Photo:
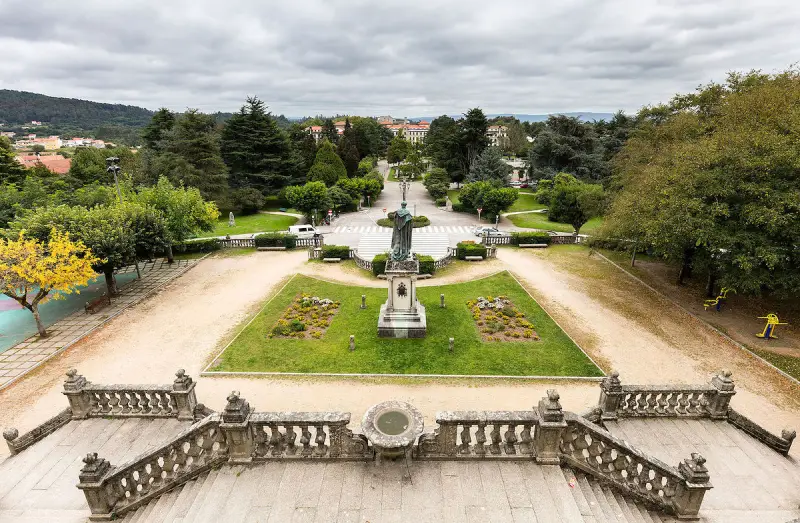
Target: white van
302,231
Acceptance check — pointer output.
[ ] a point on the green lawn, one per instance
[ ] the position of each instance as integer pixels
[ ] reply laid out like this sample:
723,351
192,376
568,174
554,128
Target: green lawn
554,355
252,223
393,174
453,194
526,202
271,204
537,220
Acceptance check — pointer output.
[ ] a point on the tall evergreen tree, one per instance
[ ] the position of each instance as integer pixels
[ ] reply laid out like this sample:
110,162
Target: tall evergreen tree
348,150
304,150
490,167
473,137
11,171
156,131
443,145
328,167
329,131
255,150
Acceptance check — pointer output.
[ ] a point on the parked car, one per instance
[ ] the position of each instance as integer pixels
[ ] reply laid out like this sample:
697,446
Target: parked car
488,230
516,184
302,231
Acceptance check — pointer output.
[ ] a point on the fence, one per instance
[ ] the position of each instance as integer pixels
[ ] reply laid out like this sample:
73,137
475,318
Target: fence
555,239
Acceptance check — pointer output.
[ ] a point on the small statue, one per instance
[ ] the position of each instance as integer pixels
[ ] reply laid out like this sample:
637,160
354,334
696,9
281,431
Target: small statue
231,220
401,234
448,204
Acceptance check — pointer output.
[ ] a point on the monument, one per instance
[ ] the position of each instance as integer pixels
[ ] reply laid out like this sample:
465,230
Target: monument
402,316
231,220
448,204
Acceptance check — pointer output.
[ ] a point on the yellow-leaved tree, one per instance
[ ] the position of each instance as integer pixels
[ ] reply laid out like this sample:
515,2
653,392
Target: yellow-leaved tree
31,270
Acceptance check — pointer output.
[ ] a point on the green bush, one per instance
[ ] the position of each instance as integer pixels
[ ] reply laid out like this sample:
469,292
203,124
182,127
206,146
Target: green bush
207,245
297,326
518,238
460,207
426,265
416,221
379,263
336,251
464,249
276,239
441,202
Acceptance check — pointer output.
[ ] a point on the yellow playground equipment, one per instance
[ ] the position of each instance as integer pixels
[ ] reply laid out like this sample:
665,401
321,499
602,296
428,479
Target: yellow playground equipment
769,329
717,302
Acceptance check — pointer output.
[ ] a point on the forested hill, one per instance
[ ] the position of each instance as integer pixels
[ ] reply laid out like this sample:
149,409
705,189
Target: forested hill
18,107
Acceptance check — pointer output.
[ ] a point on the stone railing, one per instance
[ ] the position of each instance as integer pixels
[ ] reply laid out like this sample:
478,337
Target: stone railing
446,260
301,435
87,400
311,242
564,239
480,434
228,243
361,262
17,443
496,240
595,451
113,491
780,443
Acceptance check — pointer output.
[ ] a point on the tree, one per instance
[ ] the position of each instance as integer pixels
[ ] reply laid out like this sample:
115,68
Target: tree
304,150
328,167
437,182
339,198
157,130
574,202
371,138
365,166
32,268
472,138
37,148
398,149
414,166
184,210
309,199
568,145
329,131
443,145
490,166
11,171
490,197
257,153
247,200
516,142
348,150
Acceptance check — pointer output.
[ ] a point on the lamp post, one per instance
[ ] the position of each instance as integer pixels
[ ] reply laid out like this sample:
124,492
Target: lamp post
313,216
112,164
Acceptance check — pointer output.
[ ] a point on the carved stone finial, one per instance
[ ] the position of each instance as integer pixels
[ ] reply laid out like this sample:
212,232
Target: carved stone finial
10,434
182,381
237,410
723,381
74,380
550,408
788,435
694,469
94,468
611,382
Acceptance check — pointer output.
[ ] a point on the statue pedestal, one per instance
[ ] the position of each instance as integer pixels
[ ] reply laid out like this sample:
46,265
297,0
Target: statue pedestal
402,316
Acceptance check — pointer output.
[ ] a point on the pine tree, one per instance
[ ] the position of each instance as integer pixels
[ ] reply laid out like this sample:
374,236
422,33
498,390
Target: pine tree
255,150
156,131
328,167
348,150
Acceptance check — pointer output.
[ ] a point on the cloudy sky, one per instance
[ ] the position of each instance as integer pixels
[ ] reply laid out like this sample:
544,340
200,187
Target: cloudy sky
405,58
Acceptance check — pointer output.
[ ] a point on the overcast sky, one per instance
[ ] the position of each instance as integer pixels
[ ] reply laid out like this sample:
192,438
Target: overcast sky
404,58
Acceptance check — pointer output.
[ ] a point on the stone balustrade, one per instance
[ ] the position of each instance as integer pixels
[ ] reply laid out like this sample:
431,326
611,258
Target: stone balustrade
780,443
298,435
18,442
113,491
88,400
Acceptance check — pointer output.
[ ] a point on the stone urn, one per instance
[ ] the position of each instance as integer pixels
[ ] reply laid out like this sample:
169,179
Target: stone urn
392,427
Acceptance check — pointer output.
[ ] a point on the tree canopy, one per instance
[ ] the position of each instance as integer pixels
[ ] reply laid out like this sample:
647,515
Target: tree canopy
490,167
328,167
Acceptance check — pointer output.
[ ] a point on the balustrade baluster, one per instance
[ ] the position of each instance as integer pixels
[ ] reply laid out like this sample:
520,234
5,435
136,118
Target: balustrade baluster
260,439
641,402
683,403
494,448
661,407
511,439
276,440
673,403
305,440
321,448
113,401
466,439
124,402
526,445
694,403
103,401
289,438
480,439
144,402
630,403
652,401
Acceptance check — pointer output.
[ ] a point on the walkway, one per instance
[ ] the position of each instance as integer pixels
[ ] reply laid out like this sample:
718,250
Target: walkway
377,242
32,352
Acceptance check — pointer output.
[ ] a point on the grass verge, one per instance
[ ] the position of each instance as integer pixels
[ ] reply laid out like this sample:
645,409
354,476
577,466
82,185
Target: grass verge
526,202
555,355
252,223
539,221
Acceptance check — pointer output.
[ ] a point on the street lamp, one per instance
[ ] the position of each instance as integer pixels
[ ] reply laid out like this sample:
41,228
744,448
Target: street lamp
113,167
313,216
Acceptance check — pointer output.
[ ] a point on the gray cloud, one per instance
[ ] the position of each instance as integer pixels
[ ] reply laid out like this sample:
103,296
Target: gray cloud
401,58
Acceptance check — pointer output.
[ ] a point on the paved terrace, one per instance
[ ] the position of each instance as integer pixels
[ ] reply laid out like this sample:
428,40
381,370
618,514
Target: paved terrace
27,355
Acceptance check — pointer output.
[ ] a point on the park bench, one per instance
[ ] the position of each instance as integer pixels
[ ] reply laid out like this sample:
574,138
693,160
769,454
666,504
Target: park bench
532,245
331,260
92,306
281,248
473,258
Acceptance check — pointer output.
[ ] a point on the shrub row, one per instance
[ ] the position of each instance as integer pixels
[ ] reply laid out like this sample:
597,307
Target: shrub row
426,264
276,239
518,238
336,251
441,202
416,221
470,248
207,245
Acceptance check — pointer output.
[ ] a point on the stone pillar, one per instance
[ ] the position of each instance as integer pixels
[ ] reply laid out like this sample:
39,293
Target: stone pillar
184,395
91,483
719,405
352,343
610,396
547,437
78,399
236,428
690,493
10,435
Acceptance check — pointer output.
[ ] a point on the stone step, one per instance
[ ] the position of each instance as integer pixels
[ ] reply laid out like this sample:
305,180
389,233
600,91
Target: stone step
202,493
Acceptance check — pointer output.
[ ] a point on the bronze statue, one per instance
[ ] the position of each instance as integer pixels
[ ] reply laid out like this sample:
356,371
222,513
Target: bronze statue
401,234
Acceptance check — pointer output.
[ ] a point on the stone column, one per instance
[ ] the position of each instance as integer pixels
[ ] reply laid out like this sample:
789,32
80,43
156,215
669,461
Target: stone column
78,399
236,428
91,483
718,405
547,437
610,396
690,493
10,434
184,395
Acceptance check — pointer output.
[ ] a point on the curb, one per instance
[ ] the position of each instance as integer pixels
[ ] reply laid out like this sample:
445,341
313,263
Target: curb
211,374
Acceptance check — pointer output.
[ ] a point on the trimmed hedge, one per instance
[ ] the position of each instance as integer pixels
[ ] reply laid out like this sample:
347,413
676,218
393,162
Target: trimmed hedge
441,202
426,264
530,237
336,251
416,221
207,245
276,239
470,248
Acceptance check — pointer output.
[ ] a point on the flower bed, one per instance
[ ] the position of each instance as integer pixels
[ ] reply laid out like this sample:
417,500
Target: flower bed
308,317
498,319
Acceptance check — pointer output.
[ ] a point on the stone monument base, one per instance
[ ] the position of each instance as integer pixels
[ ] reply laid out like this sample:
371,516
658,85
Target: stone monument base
402,324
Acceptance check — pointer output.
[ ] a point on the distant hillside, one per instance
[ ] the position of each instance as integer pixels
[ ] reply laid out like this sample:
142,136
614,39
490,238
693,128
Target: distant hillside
19,107
586,116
